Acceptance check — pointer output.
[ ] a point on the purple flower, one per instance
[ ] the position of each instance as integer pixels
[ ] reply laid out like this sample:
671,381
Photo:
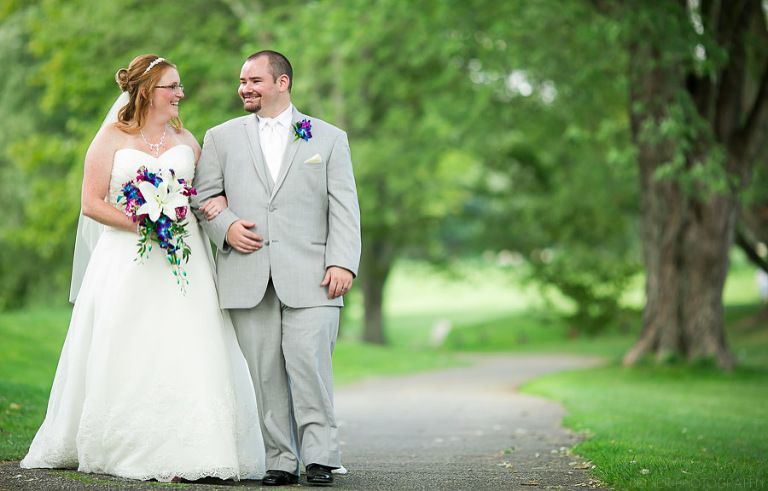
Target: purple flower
302,129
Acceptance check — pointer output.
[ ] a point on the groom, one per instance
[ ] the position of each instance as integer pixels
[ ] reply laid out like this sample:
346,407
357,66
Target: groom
288,250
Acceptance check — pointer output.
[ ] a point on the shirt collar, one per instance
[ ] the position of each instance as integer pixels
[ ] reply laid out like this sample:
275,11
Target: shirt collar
284,118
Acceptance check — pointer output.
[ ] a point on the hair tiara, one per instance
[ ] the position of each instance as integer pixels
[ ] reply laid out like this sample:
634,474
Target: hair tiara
152,65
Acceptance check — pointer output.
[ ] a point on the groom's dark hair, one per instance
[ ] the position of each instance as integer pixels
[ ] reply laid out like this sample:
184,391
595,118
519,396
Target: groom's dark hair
278,65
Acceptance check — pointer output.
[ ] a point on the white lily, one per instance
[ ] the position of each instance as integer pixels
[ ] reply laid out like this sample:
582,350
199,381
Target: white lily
160,200
174,186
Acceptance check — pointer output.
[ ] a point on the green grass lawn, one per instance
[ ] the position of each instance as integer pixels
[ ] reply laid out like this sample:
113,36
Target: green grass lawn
671,427
655,427
22,409
667,428
648,427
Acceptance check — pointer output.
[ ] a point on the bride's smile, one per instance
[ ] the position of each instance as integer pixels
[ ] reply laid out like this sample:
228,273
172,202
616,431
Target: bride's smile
169,91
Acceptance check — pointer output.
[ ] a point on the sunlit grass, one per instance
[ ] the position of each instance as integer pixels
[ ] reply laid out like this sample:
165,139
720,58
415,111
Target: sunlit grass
667,427
22,408
354,361
676,426
31,344
418,297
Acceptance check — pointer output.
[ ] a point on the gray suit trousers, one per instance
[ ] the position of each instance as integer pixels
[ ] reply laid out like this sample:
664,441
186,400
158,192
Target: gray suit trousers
289,355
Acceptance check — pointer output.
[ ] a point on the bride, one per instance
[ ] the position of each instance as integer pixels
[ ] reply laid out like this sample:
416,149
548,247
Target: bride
150,383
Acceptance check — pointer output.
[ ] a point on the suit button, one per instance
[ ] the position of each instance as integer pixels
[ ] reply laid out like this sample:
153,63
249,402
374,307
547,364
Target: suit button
272,208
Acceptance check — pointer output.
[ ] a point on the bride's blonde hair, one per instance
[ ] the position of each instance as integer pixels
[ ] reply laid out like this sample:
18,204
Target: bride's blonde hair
143,74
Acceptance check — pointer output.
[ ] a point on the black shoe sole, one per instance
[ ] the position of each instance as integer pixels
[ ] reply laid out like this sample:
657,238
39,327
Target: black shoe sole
323,483
284,481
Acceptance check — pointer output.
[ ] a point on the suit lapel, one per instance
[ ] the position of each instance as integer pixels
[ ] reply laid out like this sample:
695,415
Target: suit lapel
251,130
291,147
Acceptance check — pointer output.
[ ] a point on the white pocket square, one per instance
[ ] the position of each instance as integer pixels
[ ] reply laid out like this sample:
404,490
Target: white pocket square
315,159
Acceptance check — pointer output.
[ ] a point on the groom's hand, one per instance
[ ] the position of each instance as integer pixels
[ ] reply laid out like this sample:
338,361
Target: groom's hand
338,280
242,239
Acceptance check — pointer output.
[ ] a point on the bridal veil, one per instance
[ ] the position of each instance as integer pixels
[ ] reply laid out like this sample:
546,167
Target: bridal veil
89,230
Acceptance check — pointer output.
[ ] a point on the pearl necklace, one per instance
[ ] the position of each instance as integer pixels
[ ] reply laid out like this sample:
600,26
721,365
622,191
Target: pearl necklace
155,147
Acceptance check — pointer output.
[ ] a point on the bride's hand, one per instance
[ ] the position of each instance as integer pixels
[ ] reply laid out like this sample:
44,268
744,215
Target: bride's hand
213,207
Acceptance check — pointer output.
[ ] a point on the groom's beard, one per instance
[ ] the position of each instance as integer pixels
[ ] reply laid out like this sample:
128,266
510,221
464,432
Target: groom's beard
252,107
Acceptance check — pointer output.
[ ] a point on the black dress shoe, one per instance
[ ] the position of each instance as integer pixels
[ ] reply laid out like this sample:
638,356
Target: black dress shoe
279,478
319,475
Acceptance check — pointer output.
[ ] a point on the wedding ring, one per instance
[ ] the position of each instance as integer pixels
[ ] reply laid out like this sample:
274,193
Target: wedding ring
343,288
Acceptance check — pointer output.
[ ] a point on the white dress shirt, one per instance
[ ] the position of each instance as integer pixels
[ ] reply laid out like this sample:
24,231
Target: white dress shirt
273,135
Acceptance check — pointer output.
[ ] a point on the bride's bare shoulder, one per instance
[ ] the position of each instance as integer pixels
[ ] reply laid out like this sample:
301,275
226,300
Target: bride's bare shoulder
112,135
189,139
107,141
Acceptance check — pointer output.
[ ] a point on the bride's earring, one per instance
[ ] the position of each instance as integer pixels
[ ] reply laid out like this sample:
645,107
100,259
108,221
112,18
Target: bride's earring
150,103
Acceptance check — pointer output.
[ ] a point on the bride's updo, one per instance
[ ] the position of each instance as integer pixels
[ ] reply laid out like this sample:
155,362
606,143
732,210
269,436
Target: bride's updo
139,80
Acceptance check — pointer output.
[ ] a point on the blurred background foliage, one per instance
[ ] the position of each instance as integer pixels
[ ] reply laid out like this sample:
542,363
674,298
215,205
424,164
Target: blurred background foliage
479,129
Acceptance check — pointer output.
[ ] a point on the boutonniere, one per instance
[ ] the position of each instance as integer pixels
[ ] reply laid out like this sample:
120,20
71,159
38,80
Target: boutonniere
302,129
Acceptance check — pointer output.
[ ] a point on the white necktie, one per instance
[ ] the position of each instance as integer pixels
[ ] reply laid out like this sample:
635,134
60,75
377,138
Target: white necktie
272,148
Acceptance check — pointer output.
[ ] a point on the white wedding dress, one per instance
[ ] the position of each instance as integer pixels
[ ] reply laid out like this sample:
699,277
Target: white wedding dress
151,383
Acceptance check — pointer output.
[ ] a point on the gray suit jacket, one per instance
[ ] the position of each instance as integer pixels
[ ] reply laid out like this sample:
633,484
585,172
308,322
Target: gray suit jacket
309,218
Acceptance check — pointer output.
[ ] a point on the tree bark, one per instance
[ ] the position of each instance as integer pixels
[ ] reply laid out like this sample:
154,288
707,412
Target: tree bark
686,230
375,266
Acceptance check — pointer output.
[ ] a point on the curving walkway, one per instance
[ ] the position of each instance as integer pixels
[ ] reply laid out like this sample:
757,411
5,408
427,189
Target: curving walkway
460,429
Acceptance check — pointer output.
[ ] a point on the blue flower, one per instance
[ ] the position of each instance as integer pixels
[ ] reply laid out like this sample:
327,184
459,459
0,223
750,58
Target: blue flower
302,129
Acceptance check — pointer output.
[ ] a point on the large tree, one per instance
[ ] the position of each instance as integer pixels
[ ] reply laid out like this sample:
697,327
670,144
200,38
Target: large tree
698,78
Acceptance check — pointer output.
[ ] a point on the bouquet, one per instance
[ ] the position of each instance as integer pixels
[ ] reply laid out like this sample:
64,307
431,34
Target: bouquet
159,203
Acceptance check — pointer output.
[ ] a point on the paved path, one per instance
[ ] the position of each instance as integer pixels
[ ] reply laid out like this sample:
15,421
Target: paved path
460,429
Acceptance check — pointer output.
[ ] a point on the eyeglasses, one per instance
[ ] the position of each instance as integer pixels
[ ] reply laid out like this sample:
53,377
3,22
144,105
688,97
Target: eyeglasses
175,87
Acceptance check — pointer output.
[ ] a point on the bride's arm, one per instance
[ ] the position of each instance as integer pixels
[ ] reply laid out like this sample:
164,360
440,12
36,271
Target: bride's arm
213,207
96,177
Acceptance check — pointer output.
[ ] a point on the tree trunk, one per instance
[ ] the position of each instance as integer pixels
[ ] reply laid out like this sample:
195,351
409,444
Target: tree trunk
685,247
375,266
687,228
686,240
